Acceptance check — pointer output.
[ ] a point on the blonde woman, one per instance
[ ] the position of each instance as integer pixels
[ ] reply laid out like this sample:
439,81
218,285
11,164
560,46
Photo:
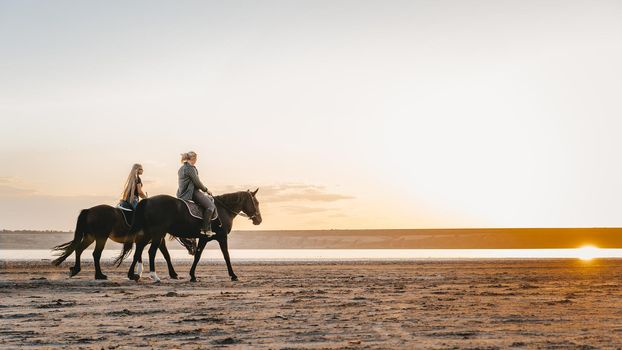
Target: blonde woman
190,187
133,189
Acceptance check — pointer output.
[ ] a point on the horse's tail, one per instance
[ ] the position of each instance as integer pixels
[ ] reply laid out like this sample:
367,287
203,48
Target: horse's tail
137,226
70,247
127,249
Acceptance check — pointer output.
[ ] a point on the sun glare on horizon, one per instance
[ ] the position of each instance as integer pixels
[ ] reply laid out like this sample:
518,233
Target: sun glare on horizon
588,252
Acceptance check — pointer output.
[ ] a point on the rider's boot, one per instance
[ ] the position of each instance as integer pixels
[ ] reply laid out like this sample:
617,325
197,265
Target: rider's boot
206,228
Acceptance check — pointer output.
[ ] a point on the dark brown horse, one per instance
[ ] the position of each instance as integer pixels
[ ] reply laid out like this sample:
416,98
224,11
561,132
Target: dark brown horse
158,215
98,224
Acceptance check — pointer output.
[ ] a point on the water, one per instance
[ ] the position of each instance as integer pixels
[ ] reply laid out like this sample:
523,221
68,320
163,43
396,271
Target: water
584,253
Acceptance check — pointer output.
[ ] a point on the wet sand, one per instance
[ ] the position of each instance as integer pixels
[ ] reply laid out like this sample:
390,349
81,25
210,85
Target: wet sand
465,304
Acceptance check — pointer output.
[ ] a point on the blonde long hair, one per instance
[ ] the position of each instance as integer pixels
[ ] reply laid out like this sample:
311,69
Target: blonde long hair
129,190
188,156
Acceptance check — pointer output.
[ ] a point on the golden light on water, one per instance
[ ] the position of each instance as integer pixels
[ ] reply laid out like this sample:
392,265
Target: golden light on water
584,253
588,252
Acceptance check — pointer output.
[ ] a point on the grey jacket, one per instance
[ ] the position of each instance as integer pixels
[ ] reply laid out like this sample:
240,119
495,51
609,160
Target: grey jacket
188,181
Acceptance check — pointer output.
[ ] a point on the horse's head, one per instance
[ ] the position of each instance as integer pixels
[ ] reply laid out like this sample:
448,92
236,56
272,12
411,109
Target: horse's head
251,207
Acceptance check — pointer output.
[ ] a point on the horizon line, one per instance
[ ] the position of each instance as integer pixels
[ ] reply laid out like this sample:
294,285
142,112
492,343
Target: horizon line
387,229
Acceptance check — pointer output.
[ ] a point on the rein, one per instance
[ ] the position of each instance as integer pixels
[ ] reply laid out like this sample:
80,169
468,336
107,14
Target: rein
240,212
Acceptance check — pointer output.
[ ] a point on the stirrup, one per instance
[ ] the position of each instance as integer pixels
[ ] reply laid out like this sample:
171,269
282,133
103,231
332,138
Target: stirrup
207,234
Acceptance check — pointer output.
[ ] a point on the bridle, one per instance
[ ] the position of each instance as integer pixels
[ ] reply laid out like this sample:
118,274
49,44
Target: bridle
240,212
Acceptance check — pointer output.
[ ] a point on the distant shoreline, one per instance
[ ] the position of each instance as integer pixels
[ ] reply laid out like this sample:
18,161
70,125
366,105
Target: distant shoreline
470,238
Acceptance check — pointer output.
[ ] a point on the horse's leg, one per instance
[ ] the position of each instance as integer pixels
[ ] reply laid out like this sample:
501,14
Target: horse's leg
224,247
140,245
167,257
139,266
197,256
155,244
97,254
86,241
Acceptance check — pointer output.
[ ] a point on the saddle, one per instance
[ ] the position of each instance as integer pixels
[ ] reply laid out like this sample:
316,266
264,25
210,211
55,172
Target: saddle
194,209
127,211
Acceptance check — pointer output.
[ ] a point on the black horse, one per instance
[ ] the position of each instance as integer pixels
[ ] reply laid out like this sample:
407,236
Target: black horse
98,224
158,215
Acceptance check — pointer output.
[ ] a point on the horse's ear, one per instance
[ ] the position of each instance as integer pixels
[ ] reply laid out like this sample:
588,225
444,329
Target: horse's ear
255,192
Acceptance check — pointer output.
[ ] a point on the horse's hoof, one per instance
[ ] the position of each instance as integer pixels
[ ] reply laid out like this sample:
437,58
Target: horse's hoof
101,277
154,277
174,277
133,277
193,279
234,278
73,271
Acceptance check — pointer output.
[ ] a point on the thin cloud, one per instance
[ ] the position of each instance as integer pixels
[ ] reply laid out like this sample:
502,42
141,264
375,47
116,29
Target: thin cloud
52,212
298,192
337,215
15,191
302,210
14,186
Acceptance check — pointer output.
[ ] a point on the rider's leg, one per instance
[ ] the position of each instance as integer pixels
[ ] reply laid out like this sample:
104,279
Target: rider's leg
206,202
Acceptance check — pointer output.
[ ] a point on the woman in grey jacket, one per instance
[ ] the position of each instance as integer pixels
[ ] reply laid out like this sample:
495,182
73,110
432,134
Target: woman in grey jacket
190,187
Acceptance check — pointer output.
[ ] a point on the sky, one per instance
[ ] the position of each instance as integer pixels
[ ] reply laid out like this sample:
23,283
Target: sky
345,114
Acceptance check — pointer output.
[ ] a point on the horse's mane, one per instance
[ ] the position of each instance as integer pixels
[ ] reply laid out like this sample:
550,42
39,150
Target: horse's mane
230,199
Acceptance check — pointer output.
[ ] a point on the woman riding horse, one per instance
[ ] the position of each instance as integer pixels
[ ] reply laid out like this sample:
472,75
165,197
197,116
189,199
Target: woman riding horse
133,189
190,187
103,221
159,215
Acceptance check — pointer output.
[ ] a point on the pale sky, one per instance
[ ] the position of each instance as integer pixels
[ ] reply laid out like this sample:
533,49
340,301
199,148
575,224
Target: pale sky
345,114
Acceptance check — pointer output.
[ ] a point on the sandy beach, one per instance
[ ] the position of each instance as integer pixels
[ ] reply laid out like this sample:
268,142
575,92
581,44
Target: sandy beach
460,304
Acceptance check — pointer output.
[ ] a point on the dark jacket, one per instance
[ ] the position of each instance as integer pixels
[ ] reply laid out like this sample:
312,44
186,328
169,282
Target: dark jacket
189,181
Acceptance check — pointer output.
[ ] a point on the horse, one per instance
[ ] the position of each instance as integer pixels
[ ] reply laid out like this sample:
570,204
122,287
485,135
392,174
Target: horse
163,214
98,224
